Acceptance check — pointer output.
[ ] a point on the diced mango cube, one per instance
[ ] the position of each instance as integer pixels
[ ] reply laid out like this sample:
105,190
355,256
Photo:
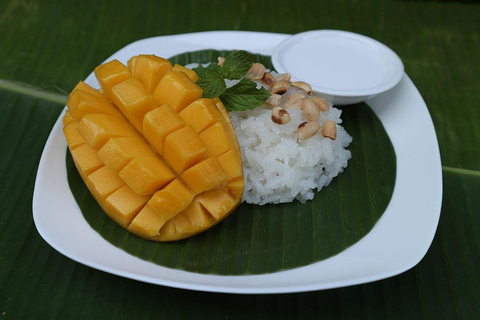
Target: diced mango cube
150,69
67,118
177,90
223,111
236,187
147,224
194,219
218,202
131,64
204,175
96,129
123,205
201,114
134,100
231,164
118,152
74,139
146,175
160,122
183,148
170,200
85,87
190,73
199,217
86,160
103,182
110,74
218,138
82,103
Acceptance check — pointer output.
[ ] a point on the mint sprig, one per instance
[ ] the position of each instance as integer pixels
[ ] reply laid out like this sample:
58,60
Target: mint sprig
242,96
236,65
211,83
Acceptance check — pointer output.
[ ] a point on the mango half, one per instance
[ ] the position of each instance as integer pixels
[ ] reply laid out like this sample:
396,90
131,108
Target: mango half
161,161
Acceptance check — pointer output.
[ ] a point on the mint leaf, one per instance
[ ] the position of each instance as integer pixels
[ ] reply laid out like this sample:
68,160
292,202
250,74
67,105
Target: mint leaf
244,96
211,83
237,64
200,70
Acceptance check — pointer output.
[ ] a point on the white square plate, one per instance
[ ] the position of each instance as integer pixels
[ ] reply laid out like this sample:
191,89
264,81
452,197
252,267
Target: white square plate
397,242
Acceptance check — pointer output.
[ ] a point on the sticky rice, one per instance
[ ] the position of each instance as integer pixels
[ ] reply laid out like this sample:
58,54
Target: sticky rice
278,167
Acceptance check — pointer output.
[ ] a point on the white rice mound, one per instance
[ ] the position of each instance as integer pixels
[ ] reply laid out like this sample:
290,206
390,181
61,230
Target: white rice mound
279,168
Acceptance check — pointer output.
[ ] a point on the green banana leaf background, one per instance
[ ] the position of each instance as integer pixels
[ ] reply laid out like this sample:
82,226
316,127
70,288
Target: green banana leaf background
48,46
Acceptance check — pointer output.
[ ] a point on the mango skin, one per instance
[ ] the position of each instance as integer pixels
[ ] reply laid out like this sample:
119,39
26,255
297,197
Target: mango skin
160,191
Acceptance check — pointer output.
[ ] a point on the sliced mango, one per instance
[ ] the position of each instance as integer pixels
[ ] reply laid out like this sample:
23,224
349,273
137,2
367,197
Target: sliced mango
103,182
86,160
67,118
118,152
97,129
177,90
150,69
123,205
184,148
217,138
85,87
159,123
164,166
74,138
204,175
146,175
82,102
201,114
189,72
170,200
147,223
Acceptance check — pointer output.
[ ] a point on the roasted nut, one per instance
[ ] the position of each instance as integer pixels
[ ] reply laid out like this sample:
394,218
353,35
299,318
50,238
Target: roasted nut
221,61
330,130
321,103
268,79
280,115
308,129
303,85
274,100
280,87
284,77
310,110
295,100
257,71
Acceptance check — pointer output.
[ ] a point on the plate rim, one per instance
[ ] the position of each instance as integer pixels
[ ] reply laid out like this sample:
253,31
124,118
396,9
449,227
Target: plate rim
245,284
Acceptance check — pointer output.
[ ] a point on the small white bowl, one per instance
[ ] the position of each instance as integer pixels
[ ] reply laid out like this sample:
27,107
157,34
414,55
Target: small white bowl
342,67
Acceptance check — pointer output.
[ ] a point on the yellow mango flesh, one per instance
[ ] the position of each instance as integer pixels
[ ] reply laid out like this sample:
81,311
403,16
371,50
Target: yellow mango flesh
190,73
118,152
146,175
217,138
201,114
177,90
171,199
204,175
150,163
81,103
123,205
103,182
184,148
159,123
96,129
74,138
150,69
